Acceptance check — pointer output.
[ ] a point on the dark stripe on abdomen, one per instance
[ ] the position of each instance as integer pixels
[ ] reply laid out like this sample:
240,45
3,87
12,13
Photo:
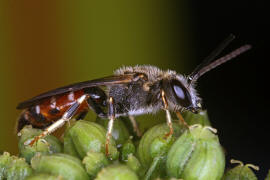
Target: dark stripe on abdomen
36,115
30,117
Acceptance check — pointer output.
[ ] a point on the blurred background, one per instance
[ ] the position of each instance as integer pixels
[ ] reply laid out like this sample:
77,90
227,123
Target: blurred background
47,44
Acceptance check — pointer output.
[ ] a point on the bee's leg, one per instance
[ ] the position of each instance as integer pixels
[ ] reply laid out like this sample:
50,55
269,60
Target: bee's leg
59,123
96,108
81,115
135,126
168,115
181,119
111,116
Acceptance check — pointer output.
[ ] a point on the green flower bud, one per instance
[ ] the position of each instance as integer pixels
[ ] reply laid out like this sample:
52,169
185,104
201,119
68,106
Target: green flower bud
158,152
5,160
13,168
85,136
18,169
116,172
160,146
156,169
240,172
127,149
62,165
127,155
49,145
94,162
199,118
134,164
69,147
154,146
197,154
120,132
145,146
41,176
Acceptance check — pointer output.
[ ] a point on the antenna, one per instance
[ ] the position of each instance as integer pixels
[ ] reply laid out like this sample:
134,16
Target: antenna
207,64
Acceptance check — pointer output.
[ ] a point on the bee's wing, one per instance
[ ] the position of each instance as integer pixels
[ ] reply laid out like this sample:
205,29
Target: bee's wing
106,81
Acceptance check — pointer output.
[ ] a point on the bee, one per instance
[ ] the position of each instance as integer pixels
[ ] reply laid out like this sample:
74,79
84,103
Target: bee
131,91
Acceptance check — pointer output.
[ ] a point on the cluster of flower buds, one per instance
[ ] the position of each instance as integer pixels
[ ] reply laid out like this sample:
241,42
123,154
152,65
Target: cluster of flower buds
192,152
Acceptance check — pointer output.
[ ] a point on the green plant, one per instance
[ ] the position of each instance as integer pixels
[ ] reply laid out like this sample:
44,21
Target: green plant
190,153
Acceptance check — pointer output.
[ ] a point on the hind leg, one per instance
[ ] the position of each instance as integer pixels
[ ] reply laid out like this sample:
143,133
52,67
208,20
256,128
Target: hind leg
59,123
82,115
135,126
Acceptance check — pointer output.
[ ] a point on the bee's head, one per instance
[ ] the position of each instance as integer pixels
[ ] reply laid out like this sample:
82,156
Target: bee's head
181,95
180,91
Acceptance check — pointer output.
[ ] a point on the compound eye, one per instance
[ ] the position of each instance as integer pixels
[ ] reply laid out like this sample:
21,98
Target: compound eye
181,93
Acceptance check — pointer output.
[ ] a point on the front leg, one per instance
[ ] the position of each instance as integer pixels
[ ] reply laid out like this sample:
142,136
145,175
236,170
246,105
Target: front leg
168,115
181,119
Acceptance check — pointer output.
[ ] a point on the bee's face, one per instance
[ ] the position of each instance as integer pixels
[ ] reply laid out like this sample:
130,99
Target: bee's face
181,95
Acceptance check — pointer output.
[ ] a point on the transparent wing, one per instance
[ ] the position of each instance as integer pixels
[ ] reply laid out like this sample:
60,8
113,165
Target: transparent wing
106,81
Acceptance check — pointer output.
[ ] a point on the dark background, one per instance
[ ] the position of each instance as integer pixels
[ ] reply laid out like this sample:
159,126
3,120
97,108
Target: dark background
47,44
235,94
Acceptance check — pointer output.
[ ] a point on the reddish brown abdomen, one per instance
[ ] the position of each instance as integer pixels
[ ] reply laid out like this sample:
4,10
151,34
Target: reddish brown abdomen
50,109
